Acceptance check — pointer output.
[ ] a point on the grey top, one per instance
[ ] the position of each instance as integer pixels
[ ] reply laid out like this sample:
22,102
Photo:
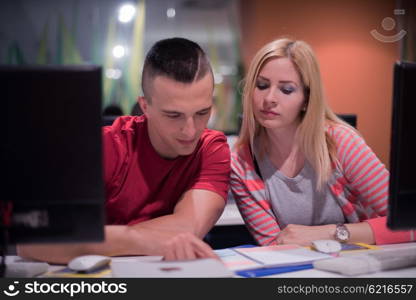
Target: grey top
296,200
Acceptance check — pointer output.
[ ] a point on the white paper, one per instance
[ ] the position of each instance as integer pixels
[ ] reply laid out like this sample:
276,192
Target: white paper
208,268
286,257
237,259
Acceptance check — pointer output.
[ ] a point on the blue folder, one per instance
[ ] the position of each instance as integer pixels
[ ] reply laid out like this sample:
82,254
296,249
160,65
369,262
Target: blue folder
269,270
274,270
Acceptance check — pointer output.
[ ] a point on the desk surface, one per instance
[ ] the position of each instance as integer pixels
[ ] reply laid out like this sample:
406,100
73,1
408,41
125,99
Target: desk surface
405,272
232,216
310,273
313,273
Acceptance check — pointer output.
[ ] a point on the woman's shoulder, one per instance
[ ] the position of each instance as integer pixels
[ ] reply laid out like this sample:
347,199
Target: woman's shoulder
341,133
339,128
241,157
348,141
240,152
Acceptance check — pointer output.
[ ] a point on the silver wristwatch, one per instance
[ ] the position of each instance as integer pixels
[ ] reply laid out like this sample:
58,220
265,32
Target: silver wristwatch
342,233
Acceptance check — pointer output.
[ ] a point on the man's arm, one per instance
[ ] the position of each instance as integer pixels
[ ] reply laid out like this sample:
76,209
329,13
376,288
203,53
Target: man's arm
194,215
196,212
175,236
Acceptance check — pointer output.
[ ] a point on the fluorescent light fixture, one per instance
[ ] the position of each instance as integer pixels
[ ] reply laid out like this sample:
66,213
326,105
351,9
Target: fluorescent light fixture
171,12
126,13
119,51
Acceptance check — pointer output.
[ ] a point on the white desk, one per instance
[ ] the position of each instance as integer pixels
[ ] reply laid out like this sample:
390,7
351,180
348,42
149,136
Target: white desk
313,273
232,216
407,272
310,273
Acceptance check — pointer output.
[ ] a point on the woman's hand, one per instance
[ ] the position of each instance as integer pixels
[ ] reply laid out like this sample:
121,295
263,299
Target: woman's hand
305,235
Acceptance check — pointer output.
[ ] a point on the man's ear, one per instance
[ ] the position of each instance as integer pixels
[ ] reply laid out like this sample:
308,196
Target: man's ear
143,104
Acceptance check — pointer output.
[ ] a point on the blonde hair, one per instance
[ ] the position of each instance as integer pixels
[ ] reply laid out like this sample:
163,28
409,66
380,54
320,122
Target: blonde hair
314,142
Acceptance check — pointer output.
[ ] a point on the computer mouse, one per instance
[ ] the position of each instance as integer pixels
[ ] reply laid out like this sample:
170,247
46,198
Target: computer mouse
326,246
86,263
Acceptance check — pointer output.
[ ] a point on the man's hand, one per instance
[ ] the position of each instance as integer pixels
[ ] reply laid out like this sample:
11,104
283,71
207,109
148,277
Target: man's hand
305,235
179,235
187,246
171,244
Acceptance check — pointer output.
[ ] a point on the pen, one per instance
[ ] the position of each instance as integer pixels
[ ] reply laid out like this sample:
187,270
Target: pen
270,271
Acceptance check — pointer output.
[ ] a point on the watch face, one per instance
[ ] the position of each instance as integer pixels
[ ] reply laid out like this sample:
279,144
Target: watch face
343,234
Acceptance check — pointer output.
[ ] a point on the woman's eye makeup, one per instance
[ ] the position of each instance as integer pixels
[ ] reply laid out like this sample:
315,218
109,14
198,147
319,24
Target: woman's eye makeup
287,90
261,85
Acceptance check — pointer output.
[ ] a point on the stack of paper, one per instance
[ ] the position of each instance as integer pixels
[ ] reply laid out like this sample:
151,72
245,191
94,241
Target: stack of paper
237,259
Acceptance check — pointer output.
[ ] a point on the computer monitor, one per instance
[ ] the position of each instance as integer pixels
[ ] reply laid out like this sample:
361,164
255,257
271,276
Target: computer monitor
52,154
402,189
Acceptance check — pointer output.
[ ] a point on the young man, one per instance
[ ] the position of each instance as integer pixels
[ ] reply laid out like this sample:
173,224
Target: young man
166,175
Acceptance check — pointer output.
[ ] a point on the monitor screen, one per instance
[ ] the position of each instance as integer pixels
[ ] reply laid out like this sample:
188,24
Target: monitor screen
402,189
54,185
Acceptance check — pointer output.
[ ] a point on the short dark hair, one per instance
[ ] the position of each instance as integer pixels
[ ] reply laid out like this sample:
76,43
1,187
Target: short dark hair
176,58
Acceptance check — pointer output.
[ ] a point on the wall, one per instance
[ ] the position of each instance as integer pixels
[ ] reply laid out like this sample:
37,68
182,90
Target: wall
356,68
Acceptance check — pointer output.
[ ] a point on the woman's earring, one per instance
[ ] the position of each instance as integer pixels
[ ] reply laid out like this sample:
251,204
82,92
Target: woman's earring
304,108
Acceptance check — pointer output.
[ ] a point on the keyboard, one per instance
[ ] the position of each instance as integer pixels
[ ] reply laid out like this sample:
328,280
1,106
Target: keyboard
371,262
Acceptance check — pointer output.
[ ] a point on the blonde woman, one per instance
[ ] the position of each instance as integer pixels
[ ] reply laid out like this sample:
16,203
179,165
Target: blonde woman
299,173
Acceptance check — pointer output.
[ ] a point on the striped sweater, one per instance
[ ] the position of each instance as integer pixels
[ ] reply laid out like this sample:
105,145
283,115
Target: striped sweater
360,185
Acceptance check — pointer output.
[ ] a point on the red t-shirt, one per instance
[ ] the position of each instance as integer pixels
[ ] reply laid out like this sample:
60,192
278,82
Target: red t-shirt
141,185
